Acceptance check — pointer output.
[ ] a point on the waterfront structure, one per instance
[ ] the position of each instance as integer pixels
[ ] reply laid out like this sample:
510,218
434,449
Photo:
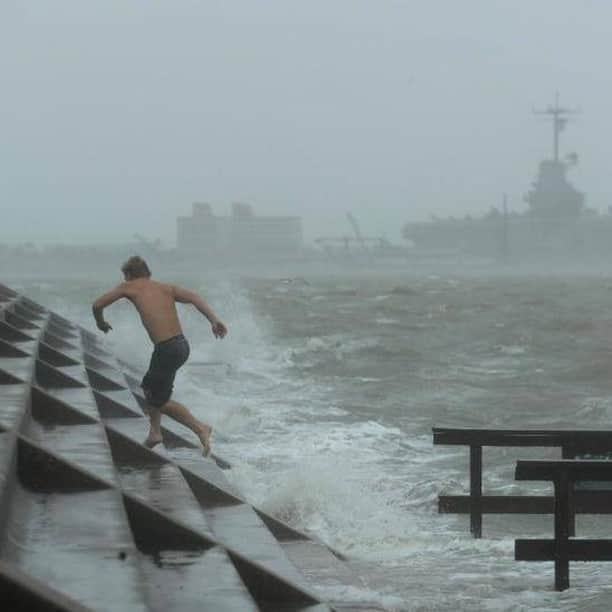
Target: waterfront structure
243,233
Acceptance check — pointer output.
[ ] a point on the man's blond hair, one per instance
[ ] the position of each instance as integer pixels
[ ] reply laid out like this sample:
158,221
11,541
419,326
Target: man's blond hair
136,267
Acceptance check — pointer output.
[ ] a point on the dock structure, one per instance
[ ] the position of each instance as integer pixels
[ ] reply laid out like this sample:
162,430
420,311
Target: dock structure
90,519
572,443
563,548
582,485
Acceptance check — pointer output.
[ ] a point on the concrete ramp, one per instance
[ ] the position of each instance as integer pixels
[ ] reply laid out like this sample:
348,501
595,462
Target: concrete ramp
90,519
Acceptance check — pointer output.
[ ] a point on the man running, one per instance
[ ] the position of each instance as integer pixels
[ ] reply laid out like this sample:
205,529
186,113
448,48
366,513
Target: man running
156,304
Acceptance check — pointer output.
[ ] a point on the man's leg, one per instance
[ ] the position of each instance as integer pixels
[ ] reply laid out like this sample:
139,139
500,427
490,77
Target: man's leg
180,413
155,434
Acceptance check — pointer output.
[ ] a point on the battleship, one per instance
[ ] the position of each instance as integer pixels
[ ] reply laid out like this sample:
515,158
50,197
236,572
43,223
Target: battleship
557,225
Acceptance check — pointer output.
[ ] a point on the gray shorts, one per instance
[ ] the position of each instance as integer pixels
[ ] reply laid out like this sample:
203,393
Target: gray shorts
168,356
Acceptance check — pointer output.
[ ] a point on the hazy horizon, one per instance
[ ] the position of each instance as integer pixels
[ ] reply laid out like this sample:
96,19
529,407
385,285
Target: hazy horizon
116,117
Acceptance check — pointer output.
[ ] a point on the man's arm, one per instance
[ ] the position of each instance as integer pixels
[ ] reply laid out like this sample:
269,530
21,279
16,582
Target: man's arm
184,296
102,302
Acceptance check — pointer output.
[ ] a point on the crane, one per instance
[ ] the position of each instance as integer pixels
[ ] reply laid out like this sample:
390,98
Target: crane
357,231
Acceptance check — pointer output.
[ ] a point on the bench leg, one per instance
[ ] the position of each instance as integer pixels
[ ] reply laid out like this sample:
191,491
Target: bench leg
571,510
562,525
476,491
569,452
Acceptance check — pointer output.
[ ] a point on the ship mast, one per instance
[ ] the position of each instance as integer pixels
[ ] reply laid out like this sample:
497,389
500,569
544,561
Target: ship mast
560,117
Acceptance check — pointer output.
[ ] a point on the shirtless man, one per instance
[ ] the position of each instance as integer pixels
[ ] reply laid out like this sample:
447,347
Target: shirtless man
156,304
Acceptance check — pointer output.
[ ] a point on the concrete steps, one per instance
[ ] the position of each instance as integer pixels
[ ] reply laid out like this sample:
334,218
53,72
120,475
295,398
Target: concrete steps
91,518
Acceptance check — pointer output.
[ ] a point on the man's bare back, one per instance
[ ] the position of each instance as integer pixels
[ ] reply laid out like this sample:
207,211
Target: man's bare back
156,305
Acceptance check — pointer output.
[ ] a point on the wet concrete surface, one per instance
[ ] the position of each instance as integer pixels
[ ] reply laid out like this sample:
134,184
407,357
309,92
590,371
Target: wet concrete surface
6,468
239,527
81,544
77,372
14,335
80,399
84,445
19,322
93,514
125,399
11,350
205,470
50,377
180,580
66,346
19,368
164,488
54,357
12,399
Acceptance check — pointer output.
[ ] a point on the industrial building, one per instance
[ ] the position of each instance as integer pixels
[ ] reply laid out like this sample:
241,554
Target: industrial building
241,233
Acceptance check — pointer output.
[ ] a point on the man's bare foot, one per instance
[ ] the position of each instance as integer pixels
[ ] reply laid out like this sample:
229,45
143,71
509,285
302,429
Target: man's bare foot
204,436
153,440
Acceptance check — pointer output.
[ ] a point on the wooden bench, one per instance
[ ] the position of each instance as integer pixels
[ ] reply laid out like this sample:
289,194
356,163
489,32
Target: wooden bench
573,443
564,474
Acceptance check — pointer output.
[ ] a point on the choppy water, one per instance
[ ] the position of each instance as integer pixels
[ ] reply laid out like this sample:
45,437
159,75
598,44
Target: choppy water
326,394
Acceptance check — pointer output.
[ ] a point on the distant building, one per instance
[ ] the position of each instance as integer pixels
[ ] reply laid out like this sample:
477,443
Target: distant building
199,232
241,233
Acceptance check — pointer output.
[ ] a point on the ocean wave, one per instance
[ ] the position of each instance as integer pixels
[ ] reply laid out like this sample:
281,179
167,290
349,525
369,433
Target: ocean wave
512,349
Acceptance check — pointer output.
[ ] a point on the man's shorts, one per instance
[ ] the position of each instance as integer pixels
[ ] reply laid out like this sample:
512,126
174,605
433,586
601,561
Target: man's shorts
168,356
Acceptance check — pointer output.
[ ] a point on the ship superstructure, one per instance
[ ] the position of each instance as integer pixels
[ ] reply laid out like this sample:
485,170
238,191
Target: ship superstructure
552,196
556,224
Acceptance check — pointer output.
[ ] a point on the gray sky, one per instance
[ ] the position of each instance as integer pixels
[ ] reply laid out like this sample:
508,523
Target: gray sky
115,115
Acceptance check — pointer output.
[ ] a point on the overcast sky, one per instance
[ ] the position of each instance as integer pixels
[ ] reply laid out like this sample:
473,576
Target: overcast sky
115,115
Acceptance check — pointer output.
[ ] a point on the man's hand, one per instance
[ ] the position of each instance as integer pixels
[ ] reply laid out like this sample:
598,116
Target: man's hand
104,326
102,302
218,329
